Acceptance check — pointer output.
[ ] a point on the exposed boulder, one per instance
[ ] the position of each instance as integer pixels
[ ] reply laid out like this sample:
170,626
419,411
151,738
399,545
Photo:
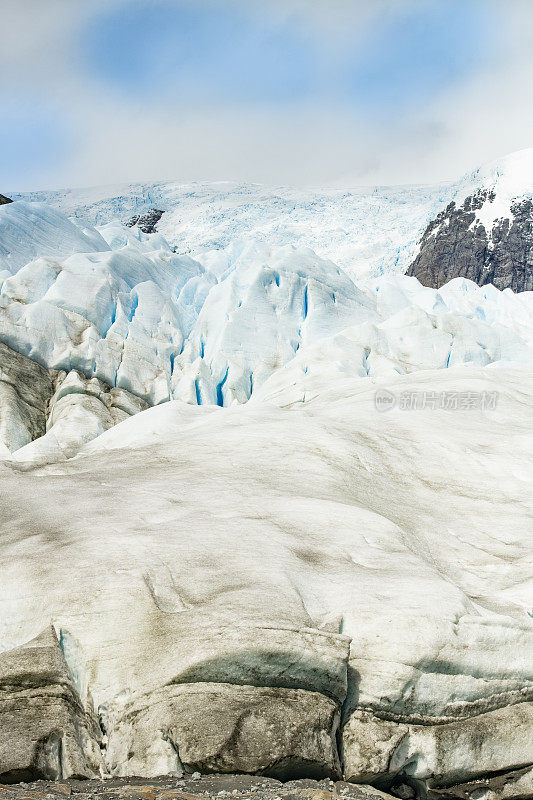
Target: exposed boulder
4,200
457,243
44,729
219,727
439,755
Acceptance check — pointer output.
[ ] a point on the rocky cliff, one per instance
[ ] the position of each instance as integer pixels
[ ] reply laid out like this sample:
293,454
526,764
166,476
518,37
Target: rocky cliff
147,223
457,243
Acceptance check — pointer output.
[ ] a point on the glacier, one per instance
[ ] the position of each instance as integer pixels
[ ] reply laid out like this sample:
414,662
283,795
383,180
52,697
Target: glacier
360,230
216,550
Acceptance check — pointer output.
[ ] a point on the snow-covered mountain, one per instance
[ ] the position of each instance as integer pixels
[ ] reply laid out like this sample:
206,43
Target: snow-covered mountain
486,232
272,494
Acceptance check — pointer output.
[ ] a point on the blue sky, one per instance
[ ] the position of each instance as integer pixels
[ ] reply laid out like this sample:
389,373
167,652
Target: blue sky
195,52
416,54
301,91
198,51
30,135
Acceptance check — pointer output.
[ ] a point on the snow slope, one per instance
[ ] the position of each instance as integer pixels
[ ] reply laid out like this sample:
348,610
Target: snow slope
29,230
510,178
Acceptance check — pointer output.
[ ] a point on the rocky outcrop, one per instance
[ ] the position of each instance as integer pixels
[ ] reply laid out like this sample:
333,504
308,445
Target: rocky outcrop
62,410
147,223
44,729
219,727
25,391
457,244
438,755
4,200
244,699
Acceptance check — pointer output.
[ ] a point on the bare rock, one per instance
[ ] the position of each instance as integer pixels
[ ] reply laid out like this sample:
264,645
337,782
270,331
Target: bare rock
146,222
327,790
4,200
456,244
44,730
282,733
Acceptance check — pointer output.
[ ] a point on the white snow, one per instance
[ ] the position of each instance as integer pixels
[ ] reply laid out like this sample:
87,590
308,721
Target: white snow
362,230
510,177
28,230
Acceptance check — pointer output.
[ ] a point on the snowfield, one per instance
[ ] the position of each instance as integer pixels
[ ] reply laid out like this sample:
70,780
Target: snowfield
247,563
363,231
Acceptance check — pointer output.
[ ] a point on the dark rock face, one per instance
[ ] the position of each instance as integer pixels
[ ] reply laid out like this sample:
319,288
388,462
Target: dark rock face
33,399
146,222
4,200
44,730
217,727
455,245
25,392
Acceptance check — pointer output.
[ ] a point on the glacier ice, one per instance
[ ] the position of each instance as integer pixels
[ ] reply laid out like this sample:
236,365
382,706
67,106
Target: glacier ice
28,230
200,496
159,325
408,531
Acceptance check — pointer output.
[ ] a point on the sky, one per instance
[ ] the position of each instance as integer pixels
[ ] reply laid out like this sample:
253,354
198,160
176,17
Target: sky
283,92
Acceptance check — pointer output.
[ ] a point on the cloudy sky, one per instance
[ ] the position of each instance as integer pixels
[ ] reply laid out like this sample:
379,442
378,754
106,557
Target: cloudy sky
305,92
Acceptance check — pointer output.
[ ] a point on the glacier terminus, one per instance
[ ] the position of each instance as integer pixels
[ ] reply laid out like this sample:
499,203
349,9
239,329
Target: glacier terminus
220,551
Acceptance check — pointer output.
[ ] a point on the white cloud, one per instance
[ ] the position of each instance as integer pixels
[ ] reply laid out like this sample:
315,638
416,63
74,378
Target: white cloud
116,139
35,41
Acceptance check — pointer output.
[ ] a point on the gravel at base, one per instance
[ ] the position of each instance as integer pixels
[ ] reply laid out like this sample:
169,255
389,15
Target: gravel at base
204,787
